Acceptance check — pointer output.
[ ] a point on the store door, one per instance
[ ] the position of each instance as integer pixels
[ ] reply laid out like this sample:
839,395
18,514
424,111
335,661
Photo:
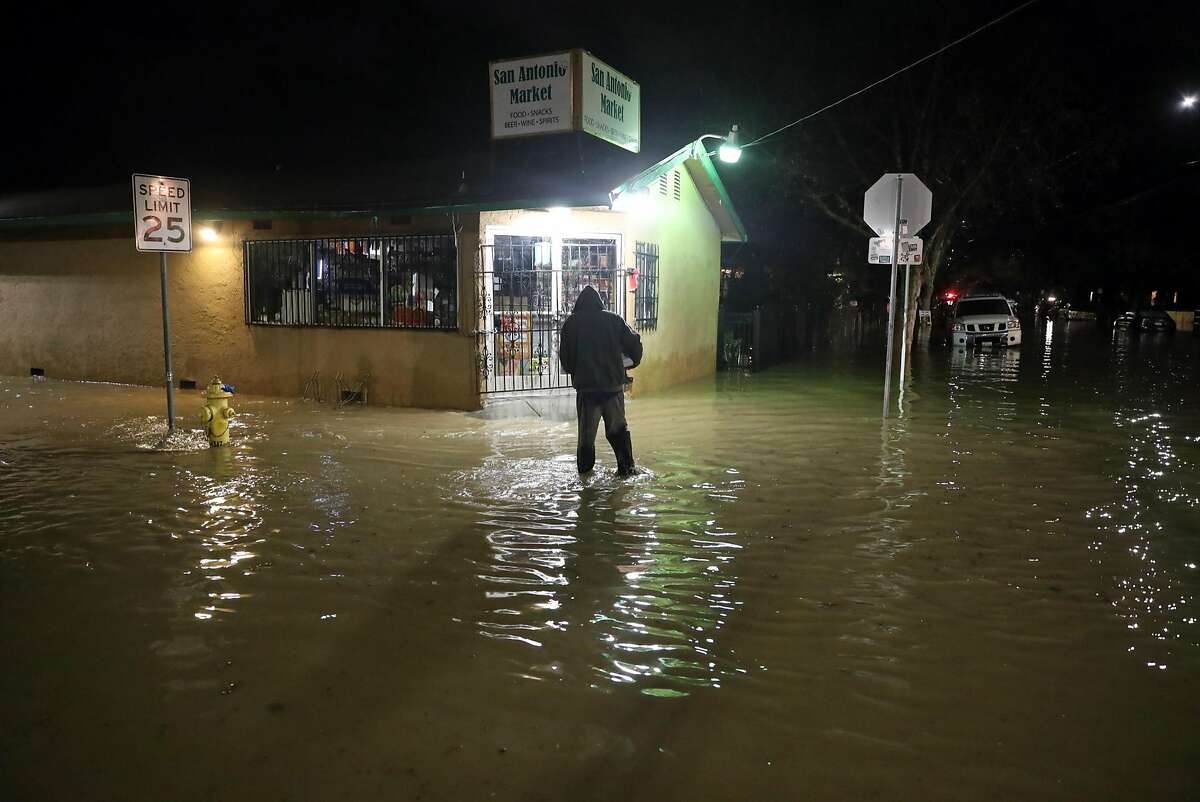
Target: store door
527,286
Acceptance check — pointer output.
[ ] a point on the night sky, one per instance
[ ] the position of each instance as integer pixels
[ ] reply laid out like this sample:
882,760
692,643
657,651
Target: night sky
95,95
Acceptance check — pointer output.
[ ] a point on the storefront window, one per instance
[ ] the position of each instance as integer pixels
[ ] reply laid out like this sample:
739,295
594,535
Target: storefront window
589,262
408,281
645,302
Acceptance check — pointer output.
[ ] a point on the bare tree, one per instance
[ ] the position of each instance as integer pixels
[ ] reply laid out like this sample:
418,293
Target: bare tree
994,151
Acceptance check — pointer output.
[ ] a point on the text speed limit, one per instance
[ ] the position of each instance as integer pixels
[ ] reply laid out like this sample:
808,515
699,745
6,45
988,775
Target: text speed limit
162,213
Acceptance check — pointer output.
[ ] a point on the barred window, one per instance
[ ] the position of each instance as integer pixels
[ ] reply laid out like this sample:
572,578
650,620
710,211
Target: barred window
645,299
408,281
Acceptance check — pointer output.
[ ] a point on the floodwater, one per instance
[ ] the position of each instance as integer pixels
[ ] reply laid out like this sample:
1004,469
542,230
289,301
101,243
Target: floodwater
992,597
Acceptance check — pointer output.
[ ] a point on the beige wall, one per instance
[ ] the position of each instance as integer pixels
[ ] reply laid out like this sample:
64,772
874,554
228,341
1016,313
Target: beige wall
683,346
1183,320
89,309
85,305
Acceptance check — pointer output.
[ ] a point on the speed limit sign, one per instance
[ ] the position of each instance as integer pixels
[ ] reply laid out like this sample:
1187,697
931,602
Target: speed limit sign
162,213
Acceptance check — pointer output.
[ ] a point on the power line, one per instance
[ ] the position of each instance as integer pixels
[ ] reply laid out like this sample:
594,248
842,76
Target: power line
921,60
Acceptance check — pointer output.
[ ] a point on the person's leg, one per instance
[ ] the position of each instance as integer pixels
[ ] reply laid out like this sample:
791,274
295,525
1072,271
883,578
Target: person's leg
588,420
616,431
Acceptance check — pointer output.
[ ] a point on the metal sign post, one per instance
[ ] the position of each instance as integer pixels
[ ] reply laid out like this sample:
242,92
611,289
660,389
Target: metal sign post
904,334
896,215
887,376
166,310
162,222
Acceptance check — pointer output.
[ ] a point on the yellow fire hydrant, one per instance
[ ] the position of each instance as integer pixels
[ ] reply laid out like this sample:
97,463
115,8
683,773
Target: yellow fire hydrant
216,412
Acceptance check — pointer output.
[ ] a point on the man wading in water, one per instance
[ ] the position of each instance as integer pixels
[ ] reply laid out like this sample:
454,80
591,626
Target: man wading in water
594,343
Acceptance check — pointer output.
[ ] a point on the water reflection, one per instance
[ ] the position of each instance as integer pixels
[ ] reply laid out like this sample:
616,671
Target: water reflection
1152,518
982,386
678,567
227,495
983,564
630,581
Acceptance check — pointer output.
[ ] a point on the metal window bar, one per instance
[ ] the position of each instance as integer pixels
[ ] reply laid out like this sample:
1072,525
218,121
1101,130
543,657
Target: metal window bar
406,281
531,297
645,297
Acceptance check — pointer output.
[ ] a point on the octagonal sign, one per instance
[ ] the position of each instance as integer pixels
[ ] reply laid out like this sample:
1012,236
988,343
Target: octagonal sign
879,204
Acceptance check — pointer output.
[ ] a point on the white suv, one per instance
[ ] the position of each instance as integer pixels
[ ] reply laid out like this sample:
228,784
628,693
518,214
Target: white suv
985,319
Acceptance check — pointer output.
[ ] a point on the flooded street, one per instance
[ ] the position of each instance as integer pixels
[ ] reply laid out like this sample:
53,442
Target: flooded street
992,597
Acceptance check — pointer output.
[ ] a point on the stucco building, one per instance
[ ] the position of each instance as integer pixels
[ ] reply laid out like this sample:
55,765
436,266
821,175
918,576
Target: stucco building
434,290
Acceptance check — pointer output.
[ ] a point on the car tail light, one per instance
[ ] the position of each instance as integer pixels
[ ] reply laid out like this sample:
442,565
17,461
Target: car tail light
1013,323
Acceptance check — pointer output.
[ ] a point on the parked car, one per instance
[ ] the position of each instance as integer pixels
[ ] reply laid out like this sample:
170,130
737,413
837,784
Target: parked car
1126,321
1069,313
982,319
1156,320
1145,320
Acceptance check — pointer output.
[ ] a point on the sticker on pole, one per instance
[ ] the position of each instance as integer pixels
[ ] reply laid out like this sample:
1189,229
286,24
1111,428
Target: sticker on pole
879,251
162,213
911,249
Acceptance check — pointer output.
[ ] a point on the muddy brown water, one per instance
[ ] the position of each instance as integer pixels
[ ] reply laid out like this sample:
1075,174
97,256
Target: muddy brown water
992,597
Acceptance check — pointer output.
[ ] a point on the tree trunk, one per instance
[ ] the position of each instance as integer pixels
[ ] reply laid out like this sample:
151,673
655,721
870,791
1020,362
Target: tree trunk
920,294
927,292
910,319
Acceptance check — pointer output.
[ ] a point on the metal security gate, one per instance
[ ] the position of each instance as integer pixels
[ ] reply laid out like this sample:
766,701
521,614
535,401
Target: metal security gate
527,286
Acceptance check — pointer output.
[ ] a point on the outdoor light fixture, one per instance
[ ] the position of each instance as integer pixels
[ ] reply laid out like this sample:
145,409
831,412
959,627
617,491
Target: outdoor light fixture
208,234
639,202
1189,101
730,151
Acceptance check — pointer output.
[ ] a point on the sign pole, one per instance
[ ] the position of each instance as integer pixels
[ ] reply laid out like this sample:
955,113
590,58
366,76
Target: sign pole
166,314
887,377
162,221
914,210
904,332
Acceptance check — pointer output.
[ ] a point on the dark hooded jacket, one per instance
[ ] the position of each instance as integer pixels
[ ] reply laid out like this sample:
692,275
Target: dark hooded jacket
593,343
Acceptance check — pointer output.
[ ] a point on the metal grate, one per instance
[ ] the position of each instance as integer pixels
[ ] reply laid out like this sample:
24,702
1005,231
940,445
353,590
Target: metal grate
526,291
408,281
735,341
645,298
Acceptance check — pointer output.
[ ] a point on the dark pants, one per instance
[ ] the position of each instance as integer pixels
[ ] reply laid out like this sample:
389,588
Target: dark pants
590,408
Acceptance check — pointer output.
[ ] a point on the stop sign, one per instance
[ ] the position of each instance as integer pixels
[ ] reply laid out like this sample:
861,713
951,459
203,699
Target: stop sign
879,203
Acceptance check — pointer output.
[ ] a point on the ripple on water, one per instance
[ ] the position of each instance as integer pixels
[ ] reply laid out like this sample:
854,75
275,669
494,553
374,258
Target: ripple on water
628,580
1002,583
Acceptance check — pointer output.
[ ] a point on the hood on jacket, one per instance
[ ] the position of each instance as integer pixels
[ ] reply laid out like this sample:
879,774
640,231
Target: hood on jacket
589,300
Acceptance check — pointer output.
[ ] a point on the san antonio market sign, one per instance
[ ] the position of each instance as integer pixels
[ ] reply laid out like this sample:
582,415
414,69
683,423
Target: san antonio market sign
568,91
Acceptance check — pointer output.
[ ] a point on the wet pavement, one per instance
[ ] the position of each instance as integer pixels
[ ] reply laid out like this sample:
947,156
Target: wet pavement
991,597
